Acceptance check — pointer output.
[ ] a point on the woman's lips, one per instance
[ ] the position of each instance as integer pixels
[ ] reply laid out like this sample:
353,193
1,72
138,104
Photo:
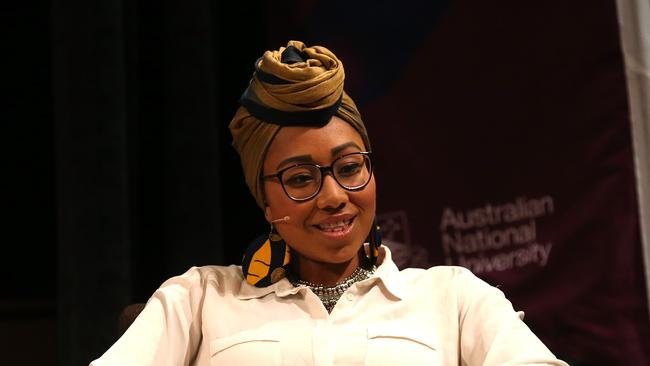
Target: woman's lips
336,229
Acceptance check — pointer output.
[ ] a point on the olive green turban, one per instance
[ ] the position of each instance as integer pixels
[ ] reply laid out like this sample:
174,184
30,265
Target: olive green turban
293,86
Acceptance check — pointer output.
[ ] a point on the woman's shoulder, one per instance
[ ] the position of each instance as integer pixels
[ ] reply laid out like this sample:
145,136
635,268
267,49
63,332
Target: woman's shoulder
445,278
441,276
198,279
439,273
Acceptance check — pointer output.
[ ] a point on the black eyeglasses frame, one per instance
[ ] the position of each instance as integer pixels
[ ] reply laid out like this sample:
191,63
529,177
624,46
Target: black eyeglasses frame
323,170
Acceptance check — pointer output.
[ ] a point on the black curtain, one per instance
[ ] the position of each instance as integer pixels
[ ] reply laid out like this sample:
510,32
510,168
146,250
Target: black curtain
147,184
27,229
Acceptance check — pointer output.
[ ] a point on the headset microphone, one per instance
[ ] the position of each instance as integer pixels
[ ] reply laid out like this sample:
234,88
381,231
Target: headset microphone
283,219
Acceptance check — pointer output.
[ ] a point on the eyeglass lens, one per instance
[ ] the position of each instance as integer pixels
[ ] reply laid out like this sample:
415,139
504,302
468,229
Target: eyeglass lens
350,171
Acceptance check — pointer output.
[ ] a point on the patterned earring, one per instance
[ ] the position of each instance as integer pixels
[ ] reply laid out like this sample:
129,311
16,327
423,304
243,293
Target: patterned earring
374,240
266,259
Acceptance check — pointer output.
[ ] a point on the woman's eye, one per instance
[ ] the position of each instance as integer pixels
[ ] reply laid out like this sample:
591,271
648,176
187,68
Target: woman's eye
298,180
349,169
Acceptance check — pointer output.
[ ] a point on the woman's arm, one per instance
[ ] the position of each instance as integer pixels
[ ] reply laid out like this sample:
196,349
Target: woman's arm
167,331
492,332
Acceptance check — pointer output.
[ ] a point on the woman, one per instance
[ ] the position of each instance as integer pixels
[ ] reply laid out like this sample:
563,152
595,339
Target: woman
321,289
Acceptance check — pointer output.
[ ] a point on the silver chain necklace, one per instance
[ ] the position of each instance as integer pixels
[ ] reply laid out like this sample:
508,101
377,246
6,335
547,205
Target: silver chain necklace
330,295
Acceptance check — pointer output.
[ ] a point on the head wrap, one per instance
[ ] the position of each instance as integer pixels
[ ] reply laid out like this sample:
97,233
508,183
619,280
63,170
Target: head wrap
293,86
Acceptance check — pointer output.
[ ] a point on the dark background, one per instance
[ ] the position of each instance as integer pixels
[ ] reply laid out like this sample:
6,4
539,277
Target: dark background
118,167
119,171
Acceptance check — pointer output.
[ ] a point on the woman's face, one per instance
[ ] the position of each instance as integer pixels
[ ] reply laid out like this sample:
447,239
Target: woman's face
306,232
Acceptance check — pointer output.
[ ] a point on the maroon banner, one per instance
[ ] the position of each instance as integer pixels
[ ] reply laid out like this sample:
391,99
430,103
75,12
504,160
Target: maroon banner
502,144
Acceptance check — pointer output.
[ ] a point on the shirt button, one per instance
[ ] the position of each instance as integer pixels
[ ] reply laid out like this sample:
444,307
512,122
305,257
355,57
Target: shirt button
350,297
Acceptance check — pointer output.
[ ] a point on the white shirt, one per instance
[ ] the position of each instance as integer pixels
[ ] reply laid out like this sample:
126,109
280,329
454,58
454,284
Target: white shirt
440,316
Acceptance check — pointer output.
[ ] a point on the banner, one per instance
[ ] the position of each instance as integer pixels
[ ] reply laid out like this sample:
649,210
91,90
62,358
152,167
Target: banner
501,136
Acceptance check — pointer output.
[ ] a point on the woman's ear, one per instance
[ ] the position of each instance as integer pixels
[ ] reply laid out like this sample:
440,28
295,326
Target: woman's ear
267,213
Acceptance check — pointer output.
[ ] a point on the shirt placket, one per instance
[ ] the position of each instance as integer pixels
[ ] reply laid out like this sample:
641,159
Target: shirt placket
322,343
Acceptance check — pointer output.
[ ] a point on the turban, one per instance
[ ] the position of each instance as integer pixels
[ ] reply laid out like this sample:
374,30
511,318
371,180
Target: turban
293,86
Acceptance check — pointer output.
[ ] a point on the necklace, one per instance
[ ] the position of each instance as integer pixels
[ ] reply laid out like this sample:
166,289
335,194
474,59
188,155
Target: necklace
330,295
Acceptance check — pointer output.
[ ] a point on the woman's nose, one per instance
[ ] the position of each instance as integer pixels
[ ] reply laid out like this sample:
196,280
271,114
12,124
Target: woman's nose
331,195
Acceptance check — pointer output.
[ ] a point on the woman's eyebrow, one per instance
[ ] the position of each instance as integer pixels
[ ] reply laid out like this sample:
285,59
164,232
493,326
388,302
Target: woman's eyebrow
340,148
295,159
309,159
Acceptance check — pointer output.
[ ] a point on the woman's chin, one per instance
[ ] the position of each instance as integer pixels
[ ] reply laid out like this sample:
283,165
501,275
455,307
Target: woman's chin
339,254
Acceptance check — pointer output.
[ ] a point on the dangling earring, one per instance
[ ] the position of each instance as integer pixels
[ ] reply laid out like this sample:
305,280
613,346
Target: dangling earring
266,259
374,241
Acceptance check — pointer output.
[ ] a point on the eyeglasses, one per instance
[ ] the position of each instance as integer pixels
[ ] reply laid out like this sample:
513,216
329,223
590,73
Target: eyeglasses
302,182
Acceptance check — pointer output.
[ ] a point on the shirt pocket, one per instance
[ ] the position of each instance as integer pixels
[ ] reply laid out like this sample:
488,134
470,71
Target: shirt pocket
250,347
401,343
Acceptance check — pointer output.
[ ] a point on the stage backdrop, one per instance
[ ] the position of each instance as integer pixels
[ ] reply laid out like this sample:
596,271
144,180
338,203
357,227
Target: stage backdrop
502,140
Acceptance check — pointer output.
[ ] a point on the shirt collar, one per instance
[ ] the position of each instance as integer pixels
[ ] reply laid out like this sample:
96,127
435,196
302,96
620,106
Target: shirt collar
281,288
387,273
